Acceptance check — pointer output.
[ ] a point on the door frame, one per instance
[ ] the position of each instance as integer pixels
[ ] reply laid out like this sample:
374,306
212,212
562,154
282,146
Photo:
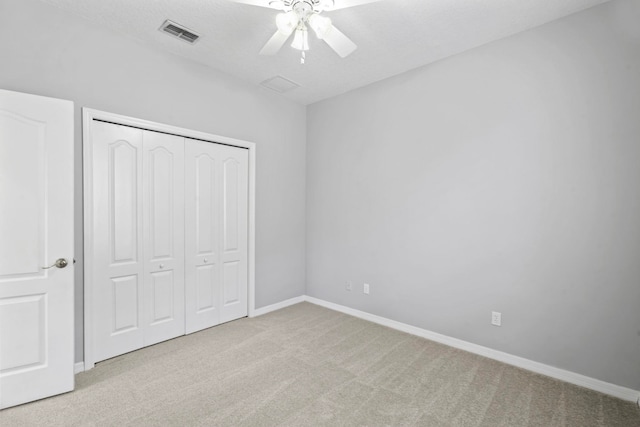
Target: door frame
88,116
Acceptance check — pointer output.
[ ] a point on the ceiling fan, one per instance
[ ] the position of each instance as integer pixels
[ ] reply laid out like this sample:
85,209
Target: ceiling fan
298,15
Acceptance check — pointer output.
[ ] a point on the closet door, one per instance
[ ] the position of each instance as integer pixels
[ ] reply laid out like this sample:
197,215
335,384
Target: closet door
216,192
117,233
234,185
163,235
138,280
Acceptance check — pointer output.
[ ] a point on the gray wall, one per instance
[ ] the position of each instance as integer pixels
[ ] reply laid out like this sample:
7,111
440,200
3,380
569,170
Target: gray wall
506,178
48,52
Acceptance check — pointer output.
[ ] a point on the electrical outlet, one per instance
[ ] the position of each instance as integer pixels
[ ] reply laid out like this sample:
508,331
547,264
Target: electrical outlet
349,286
365,289
496,318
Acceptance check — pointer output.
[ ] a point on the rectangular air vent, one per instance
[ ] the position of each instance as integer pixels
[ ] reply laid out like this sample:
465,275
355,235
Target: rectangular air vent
279,84
179,31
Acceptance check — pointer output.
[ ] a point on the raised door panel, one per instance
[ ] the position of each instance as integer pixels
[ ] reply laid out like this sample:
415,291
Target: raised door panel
22,176
162,192
124,294
163,293
36,228
30,313
205,199
231,277
118,236
235,187
206,288
231,218
202,221
123,201
163,189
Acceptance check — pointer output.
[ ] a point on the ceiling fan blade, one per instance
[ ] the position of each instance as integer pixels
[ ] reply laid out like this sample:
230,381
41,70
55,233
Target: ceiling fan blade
274,44
343,4
271,4
339,42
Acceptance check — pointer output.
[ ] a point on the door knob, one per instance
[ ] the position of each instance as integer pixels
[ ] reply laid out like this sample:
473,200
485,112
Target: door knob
60,263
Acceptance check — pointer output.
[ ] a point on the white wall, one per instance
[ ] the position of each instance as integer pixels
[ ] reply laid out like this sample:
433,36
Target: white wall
506,178
48,52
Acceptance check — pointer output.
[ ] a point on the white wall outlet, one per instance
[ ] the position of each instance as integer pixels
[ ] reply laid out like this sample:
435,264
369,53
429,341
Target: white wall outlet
496,318
349,286
365,289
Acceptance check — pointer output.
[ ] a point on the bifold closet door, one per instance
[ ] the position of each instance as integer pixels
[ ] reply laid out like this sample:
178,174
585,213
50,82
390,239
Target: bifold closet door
138,234
163,234
216,214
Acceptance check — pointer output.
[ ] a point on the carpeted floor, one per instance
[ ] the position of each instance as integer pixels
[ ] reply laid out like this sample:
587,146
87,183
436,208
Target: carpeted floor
309,366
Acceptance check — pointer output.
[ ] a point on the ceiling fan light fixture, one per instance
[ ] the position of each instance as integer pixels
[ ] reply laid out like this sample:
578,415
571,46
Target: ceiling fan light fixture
287,22
301,40
296,18
320,24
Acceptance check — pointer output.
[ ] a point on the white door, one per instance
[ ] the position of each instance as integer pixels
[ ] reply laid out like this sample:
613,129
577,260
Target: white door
163,218
216,206
138,235
117,234
233,241
36,229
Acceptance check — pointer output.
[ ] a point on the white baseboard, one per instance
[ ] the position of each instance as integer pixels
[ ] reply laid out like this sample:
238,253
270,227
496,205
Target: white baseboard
78,367
540,368
277,306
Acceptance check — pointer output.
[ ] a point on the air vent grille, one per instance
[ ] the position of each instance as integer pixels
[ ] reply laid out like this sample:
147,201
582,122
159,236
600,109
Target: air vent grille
279,84
179,31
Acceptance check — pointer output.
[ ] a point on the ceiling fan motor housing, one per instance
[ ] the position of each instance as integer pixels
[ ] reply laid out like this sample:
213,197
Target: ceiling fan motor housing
303,8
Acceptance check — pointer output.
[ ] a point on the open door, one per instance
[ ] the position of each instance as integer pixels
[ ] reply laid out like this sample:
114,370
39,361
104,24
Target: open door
36,248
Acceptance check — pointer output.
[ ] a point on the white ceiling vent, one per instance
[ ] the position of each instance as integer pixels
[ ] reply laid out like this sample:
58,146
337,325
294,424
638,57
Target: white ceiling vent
279,84
179,31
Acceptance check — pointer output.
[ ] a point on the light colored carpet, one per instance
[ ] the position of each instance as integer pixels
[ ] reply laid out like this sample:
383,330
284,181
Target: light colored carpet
309,366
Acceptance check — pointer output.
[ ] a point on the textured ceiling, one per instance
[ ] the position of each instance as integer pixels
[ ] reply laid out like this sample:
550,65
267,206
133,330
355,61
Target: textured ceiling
393,36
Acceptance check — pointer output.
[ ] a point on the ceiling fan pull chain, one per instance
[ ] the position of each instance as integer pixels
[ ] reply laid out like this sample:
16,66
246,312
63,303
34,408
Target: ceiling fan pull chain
302,58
